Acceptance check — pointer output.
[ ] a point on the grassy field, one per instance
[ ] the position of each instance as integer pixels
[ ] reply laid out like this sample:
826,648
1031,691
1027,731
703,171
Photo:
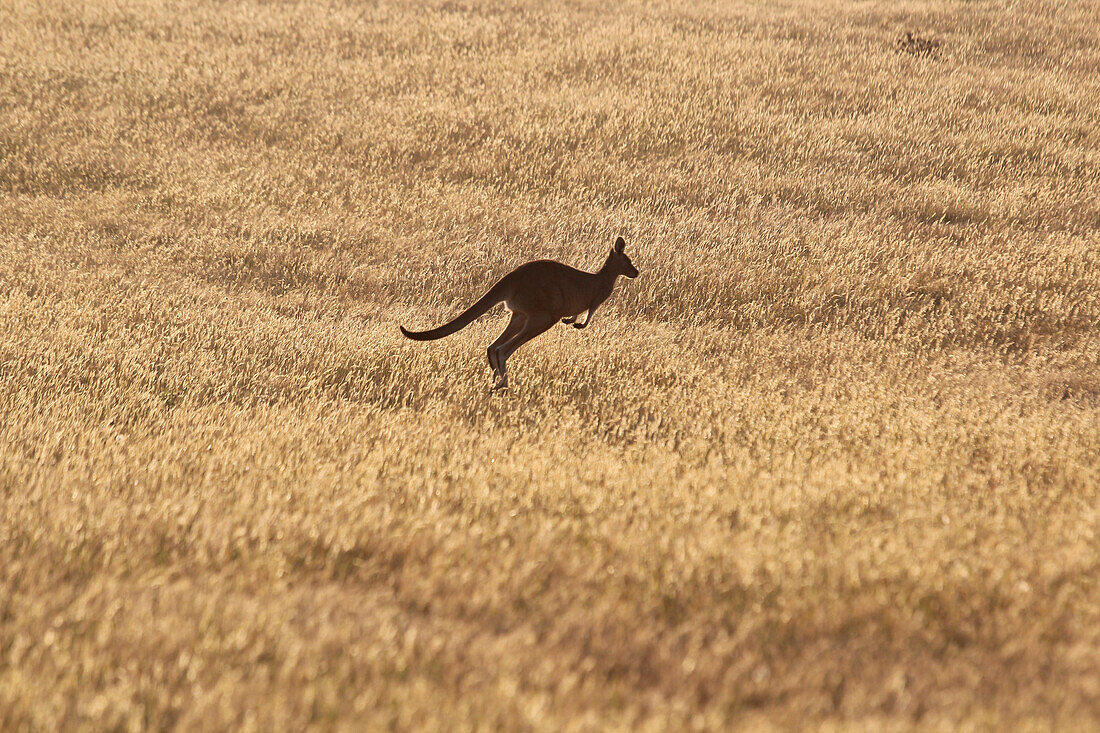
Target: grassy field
832,461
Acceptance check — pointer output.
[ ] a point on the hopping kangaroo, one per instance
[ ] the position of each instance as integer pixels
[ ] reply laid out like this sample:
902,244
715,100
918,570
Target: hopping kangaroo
539,294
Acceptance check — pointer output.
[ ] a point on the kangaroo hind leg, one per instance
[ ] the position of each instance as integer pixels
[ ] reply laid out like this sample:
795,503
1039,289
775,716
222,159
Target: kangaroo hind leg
531,328
513,327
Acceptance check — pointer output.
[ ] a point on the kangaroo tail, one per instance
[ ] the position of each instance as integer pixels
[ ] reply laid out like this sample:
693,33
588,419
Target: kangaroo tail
463,319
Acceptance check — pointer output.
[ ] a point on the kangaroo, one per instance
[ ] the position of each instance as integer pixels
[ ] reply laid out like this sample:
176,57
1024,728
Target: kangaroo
539,294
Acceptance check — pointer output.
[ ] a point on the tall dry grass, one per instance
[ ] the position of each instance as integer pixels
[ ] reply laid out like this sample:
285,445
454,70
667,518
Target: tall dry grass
831,461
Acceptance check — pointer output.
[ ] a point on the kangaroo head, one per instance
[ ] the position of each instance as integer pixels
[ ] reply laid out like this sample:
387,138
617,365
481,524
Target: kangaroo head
618,262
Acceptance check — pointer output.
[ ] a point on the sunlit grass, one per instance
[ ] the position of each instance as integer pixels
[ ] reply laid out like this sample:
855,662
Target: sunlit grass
832,460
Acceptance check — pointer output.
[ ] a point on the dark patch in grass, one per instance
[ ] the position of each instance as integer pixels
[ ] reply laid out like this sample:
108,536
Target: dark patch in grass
1077,386
919,46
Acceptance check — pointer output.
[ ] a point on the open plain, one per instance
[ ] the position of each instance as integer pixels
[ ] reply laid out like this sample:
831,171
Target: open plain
832,461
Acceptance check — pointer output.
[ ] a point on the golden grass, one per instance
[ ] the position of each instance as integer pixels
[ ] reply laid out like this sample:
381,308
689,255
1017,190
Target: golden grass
832,461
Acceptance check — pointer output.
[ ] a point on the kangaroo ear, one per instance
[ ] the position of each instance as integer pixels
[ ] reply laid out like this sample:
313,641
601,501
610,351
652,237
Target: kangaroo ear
620,245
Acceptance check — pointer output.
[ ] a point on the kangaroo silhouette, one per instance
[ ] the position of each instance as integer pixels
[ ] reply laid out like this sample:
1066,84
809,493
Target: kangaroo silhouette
538,294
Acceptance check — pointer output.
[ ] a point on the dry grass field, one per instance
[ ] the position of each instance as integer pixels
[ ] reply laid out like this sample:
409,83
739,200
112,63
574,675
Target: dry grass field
832,461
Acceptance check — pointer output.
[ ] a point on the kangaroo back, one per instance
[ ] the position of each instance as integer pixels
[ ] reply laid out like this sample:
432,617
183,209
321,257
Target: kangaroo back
463,319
